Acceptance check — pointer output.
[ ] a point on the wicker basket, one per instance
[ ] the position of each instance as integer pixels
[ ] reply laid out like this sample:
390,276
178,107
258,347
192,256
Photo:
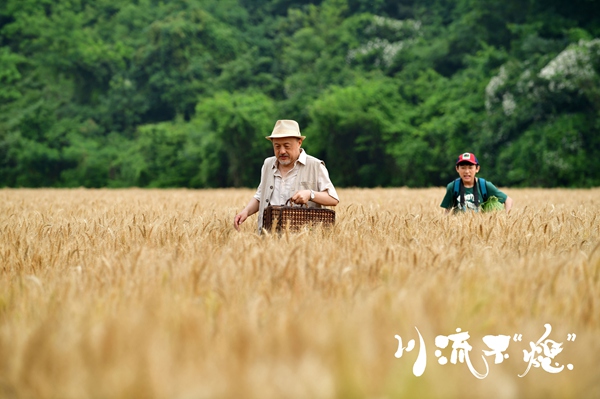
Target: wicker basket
281,216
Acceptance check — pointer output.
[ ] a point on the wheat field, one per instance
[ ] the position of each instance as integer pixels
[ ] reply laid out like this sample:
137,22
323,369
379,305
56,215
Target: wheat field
152,294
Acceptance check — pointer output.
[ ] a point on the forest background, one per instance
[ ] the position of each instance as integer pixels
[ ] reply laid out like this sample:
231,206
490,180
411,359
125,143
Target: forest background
120,93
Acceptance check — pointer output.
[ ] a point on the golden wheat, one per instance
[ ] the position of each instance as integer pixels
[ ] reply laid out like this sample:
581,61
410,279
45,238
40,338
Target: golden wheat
152,294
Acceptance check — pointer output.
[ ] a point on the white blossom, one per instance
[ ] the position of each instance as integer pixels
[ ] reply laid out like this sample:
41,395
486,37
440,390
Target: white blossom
508,104
492,88
393,24
572,143
385,50
525,83
571,67
553,159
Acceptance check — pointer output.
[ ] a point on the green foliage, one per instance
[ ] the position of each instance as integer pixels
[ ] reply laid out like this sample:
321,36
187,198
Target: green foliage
115,93
350,128
234,127
543,117
9,74
162,155
554,150
492,205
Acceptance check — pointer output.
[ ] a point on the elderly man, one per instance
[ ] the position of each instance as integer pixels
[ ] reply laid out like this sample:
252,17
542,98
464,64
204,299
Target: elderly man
290,174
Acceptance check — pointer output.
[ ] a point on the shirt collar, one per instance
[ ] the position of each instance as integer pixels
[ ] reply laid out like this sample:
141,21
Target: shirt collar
301,159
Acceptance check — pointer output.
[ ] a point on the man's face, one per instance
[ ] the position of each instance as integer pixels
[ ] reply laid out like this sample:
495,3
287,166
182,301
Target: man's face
467,173
287,149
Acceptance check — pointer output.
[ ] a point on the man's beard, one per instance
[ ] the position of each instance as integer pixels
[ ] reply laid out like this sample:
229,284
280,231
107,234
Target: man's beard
285,163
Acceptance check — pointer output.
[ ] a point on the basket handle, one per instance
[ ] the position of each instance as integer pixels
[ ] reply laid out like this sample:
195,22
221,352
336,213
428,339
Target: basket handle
289,201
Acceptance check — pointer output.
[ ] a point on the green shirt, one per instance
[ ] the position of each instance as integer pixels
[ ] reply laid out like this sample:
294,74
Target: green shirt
448,201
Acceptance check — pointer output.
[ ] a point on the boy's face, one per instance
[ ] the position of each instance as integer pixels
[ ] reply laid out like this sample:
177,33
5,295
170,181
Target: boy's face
467,173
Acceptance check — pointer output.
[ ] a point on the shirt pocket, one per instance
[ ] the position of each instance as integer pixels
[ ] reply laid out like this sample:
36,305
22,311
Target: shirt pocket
307,185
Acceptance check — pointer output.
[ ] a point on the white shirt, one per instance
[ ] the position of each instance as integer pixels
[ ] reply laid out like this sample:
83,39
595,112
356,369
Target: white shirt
283,187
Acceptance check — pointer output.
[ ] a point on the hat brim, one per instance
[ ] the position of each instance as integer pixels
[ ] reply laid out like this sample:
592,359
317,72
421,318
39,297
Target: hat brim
270,138
467,161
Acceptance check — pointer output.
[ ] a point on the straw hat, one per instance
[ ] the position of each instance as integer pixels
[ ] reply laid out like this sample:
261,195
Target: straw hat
285,128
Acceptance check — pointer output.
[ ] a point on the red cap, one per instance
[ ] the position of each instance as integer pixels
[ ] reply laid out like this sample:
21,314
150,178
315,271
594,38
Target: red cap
467,157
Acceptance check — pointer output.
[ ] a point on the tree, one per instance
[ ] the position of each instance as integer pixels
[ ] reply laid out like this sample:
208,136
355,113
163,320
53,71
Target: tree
234,127
350,128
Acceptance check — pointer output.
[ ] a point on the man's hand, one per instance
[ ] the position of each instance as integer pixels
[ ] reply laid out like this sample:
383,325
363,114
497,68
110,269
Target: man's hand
301,197
321,198
239,219
250,209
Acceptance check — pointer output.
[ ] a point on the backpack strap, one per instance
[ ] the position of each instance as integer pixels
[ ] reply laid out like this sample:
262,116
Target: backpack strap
456,192
483,189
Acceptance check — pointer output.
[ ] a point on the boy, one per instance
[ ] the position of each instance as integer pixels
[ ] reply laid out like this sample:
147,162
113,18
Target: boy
461,195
